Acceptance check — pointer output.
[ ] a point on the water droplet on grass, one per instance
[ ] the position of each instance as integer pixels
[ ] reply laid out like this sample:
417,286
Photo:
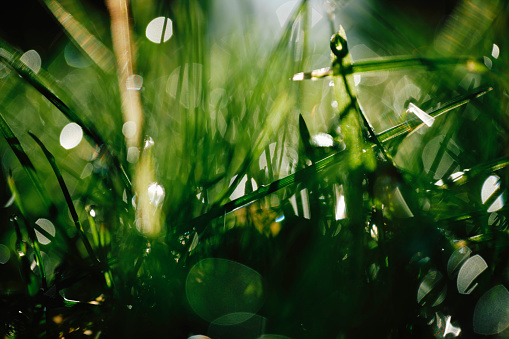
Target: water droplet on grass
134,82
155,194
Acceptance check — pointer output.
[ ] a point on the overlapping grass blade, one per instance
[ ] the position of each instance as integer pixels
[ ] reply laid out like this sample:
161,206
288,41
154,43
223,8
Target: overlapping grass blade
11,59
67,196
23,158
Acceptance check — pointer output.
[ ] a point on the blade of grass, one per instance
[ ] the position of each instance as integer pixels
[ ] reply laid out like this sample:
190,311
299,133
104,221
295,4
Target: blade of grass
12,59
407,127
293,179
81,37
65,191
27,165
30,230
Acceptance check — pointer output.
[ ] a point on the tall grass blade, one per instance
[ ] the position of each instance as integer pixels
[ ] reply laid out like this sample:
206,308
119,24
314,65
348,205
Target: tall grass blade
67,196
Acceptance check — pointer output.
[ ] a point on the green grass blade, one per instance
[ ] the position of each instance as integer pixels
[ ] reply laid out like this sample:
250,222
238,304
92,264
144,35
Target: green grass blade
24,160
409,126
67,196
30,231
293,179
37,82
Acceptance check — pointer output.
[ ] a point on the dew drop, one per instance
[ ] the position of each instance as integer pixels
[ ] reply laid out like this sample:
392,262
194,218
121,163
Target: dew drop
155,194
134,82
149,143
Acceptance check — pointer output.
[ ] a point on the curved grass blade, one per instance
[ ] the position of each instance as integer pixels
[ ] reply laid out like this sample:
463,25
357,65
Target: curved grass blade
67,196
12,59
21,249
31,235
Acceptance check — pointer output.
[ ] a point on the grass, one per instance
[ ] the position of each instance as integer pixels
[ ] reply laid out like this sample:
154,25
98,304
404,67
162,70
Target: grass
206,201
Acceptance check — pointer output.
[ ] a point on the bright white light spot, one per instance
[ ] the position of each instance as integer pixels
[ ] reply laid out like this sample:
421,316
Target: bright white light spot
487,62
457,176
133,154
240,190
322,140
439,183
5,254
293,201
71,135
280,219
154,31
340,212
334,104
129,129
32,60
357,79
495,52
425,117
490,186
331,83
46,225
254,184
450,329
155,194
149,142
305,203
298,76
374,232
134,82
92,213
470,270
10,202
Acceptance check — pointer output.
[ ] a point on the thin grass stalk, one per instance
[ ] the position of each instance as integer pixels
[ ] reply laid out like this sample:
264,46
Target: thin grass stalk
67,196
